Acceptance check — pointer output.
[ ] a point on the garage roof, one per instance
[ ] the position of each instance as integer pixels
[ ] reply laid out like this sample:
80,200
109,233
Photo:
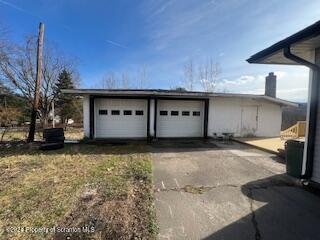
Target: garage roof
172,93
302,44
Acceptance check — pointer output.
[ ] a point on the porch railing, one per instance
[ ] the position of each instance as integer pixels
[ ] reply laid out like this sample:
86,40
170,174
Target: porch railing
295,131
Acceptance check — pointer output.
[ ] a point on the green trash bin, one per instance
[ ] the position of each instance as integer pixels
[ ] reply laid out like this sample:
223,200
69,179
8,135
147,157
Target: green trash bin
294,157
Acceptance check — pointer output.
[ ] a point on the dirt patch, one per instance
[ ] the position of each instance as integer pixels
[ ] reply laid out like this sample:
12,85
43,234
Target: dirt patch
10,171
195,190
122,218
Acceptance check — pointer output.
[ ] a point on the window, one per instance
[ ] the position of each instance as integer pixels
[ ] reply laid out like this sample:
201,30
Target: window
103,112
174,113
185,113
163,113
115,112
127,112
196,113
139,112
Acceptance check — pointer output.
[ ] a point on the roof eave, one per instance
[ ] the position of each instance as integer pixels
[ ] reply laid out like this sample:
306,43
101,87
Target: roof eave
281,101
146,93
306,33
134,93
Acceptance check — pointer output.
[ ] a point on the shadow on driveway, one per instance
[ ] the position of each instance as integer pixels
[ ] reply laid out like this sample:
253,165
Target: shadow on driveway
229,192
279,210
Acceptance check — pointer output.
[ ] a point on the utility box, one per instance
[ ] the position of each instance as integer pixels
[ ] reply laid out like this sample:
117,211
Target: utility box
294,157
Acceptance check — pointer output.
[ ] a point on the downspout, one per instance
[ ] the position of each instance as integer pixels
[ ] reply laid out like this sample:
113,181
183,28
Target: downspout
312,112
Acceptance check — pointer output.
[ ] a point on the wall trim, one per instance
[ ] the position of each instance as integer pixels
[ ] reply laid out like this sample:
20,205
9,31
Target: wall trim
155,117
206,118
91,113
148,120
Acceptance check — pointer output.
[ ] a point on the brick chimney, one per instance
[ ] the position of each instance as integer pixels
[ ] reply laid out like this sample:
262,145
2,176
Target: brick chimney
271,85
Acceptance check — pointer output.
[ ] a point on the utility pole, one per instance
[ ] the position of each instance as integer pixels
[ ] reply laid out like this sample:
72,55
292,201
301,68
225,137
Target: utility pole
37,85
53,121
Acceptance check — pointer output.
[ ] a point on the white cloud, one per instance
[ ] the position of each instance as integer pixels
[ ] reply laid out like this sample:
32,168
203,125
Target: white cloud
171,23
162,8
294,94
115,44
291,85
12,6
258,91
242,81
280,74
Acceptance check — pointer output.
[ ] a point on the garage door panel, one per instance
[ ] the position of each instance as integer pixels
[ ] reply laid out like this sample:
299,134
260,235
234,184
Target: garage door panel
180,126
121,126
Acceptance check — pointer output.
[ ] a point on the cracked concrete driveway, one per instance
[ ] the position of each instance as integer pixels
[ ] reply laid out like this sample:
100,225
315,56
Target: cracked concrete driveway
231,191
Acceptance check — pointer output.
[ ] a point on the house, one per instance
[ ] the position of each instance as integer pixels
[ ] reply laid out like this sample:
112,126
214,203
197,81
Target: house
150,113
302,48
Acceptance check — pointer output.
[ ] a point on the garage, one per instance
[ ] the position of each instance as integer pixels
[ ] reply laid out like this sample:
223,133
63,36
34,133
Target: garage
120,118
156,113
180,118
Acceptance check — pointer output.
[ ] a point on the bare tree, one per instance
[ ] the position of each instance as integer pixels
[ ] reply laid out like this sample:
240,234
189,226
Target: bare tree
18,68
209,74
4,44
6,47
189,78
7,116
142,78
109,81
204,76
125,80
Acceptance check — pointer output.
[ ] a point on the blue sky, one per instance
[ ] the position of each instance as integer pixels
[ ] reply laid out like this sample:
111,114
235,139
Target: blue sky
122,36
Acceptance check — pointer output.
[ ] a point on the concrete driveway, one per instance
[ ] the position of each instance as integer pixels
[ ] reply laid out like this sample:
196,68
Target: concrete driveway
229,192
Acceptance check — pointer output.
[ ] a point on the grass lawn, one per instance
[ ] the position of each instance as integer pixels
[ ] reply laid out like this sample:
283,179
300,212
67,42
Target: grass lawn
21,135
106,188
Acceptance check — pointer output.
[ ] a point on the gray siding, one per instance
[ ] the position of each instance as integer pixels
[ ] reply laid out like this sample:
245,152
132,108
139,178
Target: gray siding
316,156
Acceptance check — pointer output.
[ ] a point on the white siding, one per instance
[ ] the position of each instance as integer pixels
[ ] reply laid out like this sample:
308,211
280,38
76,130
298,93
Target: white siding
227,115
86,116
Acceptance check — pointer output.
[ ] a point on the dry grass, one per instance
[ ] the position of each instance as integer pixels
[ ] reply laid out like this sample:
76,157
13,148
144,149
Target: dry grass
74,134
21,135
106,188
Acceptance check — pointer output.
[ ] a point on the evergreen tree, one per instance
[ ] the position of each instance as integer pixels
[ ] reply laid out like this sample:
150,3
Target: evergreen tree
65,103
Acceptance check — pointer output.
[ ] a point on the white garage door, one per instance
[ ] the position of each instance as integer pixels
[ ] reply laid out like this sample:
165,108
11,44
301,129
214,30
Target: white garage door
120,118
178,118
